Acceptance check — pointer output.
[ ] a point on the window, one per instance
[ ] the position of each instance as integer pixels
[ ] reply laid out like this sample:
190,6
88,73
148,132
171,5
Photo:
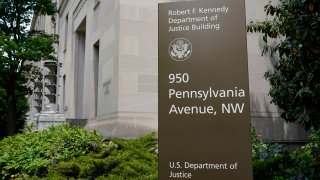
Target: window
66,32
79,58
64,93
96,50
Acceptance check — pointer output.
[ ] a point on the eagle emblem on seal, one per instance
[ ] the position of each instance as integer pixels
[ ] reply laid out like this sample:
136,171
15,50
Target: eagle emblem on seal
180,49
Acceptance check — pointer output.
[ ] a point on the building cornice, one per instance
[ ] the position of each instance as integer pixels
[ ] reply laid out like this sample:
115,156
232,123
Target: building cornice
78,8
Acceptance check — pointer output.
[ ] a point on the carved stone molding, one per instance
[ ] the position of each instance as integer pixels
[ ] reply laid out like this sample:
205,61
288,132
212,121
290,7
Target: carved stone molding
63,6
78,8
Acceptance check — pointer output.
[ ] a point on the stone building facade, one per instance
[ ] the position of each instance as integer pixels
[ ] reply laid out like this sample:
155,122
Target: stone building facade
109,55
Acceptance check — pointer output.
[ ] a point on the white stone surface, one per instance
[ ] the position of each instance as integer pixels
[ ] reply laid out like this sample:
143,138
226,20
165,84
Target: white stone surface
127,32
46,120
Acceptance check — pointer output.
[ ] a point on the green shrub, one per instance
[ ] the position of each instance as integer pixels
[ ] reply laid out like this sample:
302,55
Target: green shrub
65,153
270,161
261,150
68,169
31,154
271,168
122,159
61,152
306,160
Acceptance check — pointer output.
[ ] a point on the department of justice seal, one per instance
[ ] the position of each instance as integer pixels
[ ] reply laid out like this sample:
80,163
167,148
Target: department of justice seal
180,49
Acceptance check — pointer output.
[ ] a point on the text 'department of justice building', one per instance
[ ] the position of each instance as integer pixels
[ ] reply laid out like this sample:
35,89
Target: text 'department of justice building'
204,115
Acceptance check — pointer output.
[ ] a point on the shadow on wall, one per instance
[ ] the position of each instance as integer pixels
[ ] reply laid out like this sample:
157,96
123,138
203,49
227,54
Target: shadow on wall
272,57
77,122
266,119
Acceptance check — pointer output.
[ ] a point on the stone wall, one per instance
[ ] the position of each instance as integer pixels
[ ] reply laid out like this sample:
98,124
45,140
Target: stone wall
124,32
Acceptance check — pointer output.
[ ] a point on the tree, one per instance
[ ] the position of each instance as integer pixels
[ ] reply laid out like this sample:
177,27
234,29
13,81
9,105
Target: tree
22,109
295,80
19,48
